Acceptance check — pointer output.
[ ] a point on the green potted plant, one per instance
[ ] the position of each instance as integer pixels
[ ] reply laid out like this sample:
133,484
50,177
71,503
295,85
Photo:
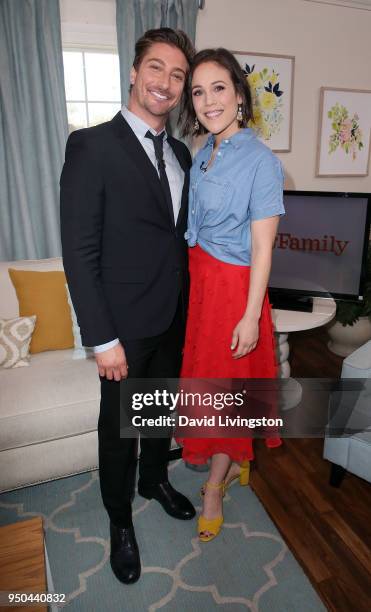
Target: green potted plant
351,326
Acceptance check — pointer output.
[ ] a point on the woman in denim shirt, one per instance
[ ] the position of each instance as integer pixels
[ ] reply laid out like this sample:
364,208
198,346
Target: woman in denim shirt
236,192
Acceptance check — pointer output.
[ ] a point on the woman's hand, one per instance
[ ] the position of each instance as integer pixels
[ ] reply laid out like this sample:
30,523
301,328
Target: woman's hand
245,337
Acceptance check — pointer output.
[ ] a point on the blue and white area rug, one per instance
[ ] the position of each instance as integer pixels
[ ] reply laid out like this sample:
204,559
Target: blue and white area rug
247,567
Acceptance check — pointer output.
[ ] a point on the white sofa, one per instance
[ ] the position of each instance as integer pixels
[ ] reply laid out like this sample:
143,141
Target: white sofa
48,410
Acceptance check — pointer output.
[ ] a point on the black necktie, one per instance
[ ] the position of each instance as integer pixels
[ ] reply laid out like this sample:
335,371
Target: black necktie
158,143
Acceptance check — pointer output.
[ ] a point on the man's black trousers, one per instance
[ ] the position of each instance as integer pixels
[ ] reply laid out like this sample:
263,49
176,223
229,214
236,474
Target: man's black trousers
155,357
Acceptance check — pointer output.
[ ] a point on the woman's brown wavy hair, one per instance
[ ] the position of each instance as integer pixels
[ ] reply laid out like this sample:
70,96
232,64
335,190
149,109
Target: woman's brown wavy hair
227,60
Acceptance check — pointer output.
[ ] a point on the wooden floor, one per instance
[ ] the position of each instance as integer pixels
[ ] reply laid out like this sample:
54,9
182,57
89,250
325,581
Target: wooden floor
327,529
22,562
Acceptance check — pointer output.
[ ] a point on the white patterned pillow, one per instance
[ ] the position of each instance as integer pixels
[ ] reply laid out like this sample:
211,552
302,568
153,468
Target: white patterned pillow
15,338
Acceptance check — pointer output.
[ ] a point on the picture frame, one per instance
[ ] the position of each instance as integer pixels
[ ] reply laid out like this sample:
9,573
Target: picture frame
344,132
271,80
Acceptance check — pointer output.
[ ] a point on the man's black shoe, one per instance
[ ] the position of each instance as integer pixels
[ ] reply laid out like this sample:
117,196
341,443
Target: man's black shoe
173,502
125,560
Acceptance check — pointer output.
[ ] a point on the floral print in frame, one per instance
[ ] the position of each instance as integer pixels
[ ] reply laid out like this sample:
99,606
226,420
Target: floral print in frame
344,132
271,81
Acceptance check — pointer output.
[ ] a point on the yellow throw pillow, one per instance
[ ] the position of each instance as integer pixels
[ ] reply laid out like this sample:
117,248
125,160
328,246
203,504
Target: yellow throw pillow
43,294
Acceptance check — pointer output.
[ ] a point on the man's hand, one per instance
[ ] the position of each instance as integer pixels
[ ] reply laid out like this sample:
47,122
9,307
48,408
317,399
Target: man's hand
112,363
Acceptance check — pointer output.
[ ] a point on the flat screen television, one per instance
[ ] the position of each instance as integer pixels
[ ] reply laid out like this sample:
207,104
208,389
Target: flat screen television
320,248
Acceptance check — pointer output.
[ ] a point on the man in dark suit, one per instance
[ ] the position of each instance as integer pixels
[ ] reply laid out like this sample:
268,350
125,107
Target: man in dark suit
124,191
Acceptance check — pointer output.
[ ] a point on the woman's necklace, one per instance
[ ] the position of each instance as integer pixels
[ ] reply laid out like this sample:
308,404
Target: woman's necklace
213,155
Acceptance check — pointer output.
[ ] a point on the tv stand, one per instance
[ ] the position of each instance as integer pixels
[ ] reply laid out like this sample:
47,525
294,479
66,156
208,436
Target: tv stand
301,303
287,321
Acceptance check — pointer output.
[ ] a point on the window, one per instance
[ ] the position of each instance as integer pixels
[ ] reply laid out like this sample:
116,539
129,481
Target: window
92,81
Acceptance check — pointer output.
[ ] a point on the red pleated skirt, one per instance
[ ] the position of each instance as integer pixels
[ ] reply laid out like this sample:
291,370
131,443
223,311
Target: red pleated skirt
218,297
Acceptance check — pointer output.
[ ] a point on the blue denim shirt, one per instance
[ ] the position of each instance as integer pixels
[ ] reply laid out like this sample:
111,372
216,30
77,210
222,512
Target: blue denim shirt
244,184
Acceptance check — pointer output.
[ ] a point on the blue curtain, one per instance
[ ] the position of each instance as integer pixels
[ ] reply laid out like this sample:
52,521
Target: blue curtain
33,128
134,17
181,15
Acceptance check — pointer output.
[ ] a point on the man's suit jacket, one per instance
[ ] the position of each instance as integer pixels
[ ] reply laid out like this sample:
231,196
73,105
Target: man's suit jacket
125,260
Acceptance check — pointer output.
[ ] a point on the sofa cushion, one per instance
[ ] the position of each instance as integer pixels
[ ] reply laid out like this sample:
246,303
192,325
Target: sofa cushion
8,300
15,338
53,398
43,294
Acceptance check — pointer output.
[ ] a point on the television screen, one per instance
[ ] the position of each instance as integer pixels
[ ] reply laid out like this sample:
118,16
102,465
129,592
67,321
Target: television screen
321,244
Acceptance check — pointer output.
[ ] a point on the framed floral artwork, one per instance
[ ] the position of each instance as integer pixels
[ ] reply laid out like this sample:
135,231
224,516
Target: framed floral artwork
344,132
271,80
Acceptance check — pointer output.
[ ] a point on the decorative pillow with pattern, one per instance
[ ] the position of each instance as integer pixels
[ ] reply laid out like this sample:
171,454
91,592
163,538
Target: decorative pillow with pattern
15,338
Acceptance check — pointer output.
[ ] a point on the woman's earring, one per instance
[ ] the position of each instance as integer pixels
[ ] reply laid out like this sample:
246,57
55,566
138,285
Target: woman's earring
196,125
239,113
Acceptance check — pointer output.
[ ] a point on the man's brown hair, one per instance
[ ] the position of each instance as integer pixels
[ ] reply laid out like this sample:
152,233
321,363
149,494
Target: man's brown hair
176,38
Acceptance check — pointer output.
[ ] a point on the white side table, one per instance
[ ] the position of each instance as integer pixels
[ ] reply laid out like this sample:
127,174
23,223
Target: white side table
286,321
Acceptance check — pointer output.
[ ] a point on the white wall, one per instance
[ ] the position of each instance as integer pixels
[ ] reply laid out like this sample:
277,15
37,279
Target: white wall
331,45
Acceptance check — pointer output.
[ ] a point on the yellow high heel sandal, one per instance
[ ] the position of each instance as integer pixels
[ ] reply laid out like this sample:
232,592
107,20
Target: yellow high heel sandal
243,476
212,526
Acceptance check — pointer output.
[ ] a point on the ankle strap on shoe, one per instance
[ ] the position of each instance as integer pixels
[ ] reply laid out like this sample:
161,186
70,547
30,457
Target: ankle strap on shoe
210,485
